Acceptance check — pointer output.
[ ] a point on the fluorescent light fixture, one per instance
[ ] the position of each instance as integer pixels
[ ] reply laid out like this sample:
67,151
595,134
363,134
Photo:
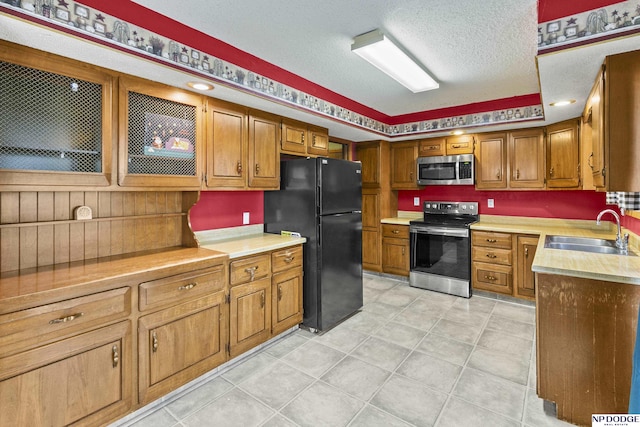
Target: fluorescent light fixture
200,85
376,48
563,103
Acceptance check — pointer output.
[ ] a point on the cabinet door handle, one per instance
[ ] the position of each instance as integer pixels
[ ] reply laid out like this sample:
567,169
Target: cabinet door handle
403,251
517,173
154,341
498,174
251,271
187,287
551,171
257,169
302,137
65,319
239,167
262,300
589,161
492,256
279,292
490,277
115,356
491,240
526,252
313,141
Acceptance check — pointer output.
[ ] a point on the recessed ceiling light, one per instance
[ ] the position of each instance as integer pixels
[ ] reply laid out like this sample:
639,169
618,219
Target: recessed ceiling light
457,132
563,103
200,85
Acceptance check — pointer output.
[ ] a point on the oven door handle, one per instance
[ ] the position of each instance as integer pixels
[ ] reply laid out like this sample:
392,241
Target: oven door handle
442,231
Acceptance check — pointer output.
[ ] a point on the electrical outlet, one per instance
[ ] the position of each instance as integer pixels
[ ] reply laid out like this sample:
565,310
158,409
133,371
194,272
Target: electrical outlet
245,218
416,201
490,203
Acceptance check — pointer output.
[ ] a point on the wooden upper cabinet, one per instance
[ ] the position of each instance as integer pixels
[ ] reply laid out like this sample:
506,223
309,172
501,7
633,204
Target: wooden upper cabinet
369,155
595,119
56,120
300,139
460,144
294,137
491,161
264,152
563,155
403,165
226,145
161,134
318,141
526,158
432,147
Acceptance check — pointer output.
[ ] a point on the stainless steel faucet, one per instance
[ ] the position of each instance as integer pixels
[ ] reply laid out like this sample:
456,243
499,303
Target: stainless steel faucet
622,242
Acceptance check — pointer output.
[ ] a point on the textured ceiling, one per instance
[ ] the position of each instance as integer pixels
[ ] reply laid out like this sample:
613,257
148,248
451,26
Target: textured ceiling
478,51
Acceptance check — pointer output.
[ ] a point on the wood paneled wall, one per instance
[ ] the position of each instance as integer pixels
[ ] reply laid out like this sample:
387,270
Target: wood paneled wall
37,228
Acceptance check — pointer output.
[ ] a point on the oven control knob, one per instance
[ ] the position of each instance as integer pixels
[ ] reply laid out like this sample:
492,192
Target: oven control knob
464,207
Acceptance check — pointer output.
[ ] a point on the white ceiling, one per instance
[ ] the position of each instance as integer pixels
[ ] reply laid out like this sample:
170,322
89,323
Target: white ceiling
479,51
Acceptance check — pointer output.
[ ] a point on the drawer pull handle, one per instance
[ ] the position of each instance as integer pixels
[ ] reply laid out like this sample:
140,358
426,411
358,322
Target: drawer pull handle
286,254
492,256
115,356
154,342
491,240
66,319
187,287
456,146
251,271
289,260
490,278
396,231
279,293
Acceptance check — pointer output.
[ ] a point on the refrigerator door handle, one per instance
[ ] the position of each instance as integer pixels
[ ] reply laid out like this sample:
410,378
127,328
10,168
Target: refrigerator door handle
357,212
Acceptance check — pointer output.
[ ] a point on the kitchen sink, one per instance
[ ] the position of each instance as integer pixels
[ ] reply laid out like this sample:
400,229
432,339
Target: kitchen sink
584,244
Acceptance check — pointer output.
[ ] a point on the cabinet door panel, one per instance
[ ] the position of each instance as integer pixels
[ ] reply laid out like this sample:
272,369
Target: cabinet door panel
403,165
395,256
294,136
563,156
227,136
318,141
287,300
491,162
369,155
250,315
264,156
370,210
526,155
371,249
525,286
82,378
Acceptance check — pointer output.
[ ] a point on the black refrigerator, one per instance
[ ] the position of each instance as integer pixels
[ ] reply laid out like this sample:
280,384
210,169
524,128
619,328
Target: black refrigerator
322,200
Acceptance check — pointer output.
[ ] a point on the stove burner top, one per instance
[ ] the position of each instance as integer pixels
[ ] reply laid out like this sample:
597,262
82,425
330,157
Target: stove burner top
450,214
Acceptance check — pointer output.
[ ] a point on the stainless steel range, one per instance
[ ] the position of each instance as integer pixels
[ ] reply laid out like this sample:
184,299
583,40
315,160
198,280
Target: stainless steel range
441,247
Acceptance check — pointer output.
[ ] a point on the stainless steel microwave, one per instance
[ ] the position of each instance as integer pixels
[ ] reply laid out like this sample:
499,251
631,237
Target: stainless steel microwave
446,170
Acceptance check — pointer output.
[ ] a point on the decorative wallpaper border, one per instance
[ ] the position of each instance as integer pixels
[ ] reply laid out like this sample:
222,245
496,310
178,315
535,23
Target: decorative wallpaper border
608,21
110,30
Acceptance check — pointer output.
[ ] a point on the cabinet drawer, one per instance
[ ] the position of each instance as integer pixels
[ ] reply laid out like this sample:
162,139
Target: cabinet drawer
491,239
432,147
492,255
395,231
182,287
45,324
250,269
286,258
492,277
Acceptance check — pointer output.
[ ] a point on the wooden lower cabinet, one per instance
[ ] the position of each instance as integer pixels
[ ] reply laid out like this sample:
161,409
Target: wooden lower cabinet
250,309
586,332
286,300
371,250
85,380
180,343
395,249
501,263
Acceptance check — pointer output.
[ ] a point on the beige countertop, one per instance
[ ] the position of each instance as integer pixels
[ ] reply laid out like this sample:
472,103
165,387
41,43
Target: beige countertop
403,218
613,268
250,244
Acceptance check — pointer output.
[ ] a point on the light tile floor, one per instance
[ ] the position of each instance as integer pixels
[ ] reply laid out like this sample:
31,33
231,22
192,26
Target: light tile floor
410,358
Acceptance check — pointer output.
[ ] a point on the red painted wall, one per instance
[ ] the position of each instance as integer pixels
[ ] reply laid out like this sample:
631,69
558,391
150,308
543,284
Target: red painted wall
222,209
539,204
549,10
632,224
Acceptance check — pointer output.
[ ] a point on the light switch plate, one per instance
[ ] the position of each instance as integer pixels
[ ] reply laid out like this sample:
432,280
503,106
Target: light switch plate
490,203
416,201
245,218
